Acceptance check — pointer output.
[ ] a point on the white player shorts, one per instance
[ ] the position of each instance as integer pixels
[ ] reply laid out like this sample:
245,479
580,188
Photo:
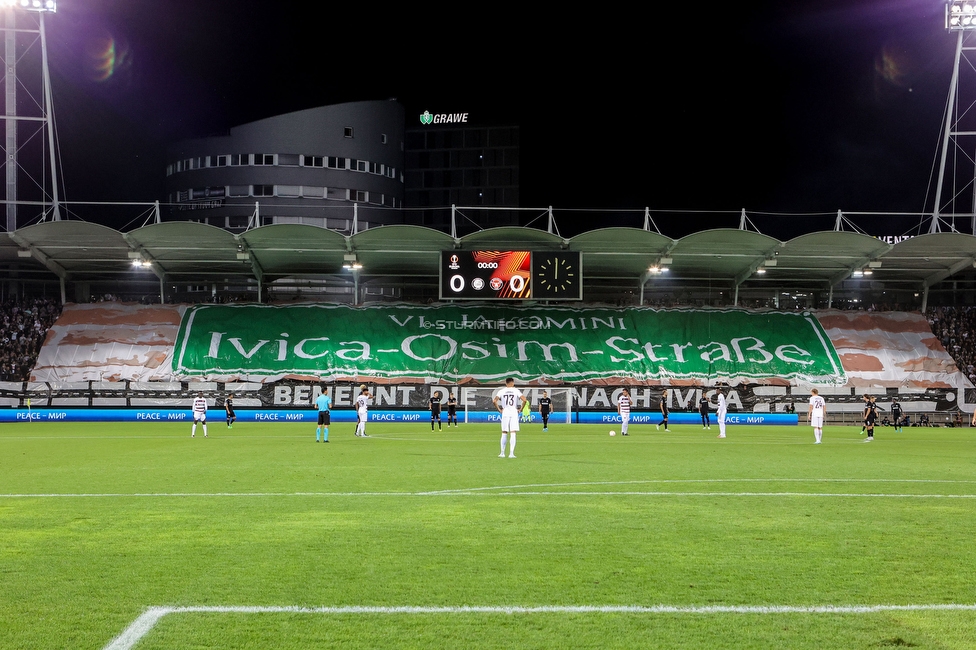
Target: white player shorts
510,422
199,417
362,414
816,421
625,418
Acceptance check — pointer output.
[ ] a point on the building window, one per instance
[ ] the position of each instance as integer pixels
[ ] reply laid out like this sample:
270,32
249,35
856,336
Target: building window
383,138
208,193
240,159
390,172
347,132
336,163
359,196
358,165
289,159
314,161
264,159
239,190
222,161
263,190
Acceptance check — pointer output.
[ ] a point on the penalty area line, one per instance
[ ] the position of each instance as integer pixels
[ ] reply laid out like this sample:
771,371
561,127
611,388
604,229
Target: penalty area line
146,621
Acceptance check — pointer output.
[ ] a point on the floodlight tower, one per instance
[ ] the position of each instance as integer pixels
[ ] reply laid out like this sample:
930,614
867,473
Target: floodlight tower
33,11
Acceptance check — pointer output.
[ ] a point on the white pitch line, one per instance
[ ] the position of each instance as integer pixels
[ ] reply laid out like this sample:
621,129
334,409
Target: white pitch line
698,480
148,619
533,493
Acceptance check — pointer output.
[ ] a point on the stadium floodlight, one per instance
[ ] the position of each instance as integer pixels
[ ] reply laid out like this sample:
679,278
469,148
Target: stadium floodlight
761,270
857,274
960,15
12,116
350,262
46,6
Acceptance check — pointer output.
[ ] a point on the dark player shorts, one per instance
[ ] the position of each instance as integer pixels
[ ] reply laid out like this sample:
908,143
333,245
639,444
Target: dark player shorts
435,412
451,411
325,417
230,413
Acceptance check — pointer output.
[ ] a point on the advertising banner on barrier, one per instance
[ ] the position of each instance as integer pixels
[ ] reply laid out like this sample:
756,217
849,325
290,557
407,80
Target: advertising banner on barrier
486,343
309,416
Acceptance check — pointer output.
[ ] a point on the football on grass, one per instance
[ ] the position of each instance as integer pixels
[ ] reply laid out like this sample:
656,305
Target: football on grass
612,432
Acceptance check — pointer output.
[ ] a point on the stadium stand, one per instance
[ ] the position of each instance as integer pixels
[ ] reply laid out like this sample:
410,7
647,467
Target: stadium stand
955,327
23,325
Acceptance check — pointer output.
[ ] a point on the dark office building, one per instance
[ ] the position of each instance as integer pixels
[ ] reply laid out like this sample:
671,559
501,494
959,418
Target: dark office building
453,159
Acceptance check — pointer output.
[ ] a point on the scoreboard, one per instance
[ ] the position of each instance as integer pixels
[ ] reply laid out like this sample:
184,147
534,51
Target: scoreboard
511,275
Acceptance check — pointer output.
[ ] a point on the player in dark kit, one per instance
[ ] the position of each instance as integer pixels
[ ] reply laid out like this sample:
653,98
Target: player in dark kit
545,408
229,407
864,423
451,410
664,411
896,414
435,410
703,410
870,417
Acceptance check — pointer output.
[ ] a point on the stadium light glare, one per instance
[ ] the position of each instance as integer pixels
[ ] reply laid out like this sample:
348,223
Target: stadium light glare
40,6
960,15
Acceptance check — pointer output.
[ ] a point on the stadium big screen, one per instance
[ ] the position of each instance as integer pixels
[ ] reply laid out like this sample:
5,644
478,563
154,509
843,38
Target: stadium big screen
511,275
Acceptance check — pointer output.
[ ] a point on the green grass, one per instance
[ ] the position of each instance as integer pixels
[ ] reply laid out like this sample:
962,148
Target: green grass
275,519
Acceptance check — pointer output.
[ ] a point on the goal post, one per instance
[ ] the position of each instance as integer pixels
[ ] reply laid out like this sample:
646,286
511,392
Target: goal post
478,407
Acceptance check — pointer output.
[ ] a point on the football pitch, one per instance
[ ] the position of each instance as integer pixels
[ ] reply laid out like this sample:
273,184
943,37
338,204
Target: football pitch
137,536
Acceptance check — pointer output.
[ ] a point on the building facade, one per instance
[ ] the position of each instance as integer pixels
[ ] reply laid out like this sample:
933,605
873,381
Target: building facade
339,167
455,159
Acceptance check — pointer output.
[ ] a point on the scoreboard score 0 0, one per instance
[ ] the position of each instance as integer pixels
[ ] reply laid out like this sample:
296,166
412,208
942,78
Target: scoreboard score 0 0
511,275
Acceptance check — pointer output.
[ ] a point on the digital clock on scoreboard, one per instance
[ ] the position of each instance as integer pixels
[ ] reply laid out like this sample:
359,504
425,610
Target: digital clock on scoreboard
511,275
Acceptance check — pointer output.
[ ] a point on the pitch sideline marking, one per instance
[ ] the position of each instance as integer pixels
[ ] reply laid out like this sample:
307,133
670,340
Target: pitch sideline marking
510,490
535,493
144,624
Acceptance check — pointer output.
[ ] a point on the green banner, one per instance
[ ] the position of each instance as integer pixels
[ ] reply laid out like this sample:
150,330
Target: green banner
488,343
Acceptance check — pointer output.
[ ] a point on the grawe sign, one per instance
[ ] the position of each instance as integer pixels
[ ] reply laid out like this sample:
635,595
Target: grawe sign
487,343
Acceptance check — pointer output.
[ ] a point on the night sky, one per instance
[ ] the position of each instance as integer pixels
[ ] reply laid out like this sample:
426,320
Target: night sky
792,107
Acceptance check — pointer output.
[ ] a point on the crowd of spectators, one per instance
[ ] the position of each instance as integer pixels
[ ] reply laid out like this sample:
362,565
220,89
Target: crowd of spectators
24,323
955,327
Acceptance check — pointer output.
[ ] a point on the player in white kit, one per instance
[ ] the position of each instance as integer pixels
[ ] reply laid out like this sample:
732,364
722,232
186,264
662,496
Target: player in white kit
199,415
623,410
362,403
509,402
816,414
723,409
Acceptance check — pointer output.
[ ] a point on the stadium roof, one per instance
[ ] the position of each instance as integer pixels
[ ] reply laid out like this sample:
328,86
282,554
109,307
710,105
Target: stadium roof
190,251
